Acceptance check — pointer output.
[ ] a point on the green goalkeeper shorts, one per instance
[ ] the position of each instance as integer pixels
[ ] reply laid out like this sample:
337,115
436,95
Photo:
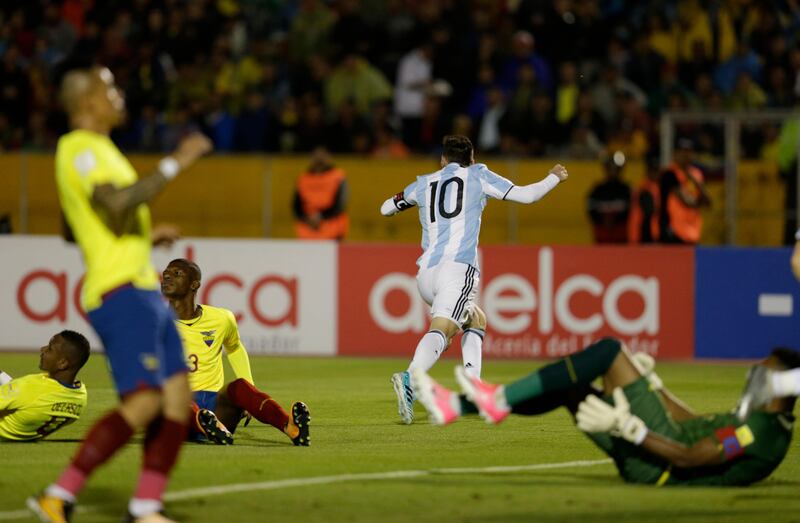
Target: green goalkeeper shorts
636,465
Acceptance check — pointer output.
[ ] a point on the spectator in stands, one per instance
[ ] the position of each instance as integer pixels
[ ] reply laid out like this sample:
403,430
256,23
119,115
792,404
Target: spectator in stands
254,124
488,126
388,146
309,30
320,200
524,53
479,97
609,201
356,79
683,194
175,56
347,132
747,94
567,93
414,76
728,75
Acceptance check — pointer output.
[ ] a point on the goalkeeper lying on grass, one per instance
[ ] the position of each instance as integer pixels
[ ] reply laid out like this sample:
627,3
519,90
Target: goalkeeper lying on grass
651,436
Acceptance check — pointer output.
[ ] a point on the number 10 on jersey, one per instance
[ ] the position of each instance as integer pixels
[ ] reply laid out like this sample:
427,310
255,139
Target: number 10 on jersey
442,194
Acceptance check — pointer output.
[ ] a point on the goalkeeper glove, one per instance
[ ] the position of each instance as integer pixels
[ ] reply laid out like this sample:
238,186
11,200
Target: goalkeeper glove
4,378
595,415
646,365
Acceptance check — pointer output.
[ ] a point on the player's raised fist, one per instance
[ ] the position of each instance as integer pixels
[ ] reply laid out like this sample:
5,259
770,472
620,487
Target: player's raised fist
560,171
191,148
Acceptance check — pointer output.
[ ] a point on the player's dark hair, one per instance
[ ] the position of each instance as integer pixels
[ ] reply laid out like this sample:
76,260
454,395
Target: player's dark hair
788,357
193,267
457,148
78,346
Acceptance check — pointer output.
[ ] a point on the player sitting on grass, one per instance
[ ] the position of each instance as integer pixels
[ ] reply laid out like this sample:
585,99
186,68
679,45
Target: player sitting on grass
451,202
36,405
205,331
652,437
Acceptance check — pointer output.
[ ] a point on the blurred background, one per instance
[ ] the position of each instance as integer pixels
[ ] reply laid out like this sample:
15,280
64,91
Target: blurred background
616,90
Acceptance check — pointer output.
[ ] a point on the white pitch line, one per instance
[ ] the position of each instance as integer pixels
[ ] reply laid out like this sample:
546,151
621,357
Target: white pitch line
339,478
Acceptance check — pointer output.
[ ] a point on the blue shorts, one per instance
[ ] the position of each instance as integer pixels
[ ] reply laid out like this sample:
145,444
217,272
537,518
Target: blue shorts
138,332
206,399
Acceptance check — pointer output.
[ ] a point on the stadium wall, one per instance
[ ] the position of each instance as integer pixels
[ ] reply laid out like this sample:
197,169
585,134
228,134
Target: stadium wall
321,298
250,197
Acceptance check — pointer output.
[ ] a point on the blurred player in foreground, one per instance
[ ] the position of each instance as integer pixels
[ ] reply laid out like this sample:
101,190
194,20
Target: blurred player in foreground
205,331
105,206
763,384
36,405
652,437
450,203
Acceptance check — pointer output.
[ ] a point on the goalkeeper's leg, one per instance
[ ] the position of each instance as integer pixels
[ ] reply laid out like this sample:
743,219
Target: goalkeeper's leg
606,358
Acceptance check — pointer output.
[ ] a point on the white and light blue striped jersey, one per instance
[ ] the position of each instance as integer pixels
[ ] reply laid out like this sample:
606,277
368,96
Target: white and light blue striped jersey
450,203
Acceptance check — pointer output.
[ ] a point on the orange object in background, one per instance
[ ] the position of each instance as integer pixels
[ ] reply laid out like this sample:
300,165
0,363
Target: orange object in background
637,214
685,222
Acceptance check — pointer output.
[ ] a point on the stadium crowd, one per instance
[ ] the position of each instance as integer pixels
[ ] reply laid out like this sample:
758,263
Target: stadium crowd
390,77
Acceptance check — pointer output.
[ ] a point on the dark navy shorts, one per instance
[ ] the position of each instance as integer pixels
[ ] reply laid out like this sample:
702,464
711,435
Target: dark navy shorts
206,399
141,342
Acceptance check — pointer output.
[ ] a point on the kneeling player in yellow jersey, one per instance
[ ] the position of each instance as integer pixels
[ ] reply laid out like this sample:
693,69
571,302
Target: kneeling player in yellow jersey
205,331
36,405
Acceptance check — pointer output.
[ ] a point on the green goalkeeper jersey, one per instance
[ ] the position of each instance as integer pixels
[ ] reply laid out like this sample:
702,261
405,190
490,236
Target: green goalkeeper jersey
752,449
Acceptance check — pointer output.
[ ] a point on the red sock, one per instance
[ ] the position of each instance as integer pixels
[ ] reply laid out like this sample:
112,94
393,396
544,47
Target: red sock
102,441
194,427
162,444
259,404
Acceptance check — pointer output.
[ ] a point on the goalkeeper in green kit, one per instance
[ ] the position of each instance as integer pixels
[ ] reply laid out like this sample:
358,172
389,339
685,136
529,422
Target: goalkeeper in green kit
652,436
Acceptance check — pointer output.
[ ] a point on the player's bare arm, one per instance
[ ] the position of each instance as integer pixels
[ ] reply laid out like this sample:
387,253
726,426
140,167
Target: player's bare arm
646,365
703,453
536,191
119,202
796,256
677,408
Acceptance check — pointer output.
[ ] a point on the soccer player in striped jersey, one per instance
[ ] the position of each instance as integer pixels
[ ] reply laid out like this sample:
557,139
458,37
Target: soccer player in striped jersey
450,203
105,207
205,332
36,405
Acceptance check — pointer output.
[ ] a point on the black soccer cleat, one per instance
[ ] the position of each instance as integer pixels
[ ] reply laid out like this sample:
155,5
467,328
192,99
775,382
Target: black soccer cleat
213,428
300,419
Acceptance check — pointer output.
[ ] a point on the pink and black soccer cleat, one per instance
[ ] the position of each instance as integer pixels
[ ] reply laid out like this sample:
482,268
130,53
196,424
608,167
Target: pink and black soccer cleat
441,403
483,395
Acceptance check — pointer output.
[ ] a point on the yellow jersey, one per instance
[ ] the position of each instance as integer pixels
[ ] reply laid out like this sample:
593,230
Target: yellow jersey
33,406
84,160
203,338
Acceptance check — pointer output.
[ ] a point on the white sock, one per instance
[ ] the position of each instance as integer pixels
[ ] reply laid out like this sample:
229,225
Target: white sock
786,383
4,378
471,347
60,493
429,348
140,508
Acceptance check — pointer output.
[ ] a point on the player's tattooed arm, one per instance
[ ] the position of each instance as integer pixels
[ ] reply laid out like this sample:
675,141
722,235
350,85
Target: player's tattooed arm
395,204
119,203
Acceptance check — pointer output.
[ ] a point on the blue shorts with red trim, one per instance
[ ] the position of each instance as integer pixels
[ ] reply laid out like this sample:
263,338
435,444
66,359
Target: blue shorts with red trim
141,342
206,399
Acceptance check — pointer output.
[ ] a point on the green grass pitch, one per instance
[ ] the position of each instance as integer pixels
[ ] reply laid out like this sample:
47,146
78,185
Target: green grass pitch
355,430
